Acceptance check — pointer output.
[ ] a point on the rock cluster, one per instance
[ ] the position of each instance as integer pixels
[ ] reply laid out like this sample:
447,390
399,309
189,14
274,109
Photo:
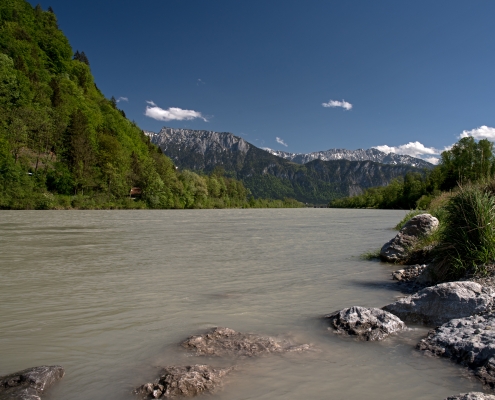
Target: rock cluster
397,249
408,273
227,342
468,341
365,323
438,304
30,383
186,381
472,396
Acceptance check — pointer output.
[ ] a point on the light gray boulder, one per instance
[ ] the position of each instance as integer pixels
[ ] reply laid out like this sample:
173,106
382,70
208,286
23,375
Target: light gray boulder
468,341
30,383
472,396
184,381
227,342
438,304
396,250
365,323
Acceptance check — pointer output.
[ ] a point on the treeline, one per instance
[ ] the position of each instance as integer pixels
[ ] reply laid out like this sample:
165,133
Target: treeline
468,161
64,145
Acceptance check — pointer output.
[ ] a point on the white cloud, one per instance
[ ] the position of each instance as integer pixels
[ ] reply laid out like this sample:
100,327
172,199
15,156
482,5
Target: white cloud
281,141
122,99
432,160
335,103
414,149
483,132
171,114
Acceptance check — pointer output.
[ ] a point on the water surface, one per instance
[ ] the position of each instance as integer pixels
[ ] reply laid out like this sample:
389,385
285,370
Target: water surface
109,294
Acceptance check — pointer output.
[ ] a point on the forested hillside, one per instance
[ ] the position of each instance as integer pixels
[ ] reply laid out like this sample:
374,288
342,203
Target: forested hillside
467,162
64,145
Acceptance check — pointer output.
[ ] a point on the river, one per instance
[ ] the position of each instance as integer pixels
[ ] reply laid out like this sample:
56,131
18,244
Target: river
109,295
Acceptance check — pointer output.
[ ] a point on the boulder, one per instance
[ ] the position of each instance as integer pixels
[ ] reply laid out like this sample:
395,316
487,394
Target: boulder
468,341
472,396
408,273
187,381
365,323
397,249
30,383
227,342
438,304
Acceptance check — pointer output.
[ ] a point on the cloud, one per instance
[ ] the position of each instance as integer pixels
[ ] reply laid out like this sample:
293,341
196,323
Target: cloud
414,149
483,132
335,103
171,114
281,141
200,82
122,99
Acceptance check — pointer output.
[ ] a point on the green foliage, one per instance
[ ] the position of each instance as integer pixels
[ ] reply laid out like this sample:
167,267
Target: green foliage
467,162
467,237
64,145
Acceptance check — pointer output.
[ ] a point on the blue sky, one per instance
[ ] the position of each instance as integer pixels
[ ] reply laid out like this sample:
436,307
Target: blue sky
412,71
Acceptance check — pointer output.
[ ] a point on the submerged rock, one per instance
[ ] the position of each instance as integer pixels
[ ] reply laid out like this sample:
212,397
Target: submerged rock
397,249
438,304
30,383
187,381
472,396
468,341
365,323
227,342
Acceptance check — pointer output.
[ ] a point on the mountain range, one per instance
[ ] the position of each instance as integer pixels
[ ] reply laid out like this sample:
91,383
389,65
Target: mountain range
314,178
353,155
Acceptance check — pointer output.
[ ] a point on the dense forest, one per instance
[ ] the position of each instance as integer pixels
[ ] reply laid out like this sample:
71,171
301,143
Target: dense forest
64,145
468,161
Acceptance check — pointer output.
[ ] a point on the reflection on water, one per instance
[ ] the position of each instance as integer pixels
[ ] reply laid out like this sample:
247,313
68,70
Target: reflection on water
109,294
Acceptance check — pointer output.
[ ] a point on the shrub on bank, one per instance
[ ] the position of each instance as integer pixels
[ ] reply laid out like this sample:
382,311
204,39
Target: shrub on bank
467,235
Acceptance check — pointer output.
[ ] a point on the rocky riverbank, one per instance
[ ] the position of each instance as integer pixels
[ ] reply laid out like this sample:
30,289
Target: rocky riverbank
462,312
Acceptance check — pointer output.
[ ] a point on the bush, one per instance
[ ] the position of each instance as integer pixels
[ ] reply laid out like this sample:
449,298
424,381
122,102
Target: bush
467,237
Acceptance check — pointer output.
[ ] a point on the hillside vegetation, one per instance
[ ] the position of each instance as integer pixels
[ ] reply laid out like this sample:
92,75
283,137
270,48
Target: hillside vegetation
468,161
64,145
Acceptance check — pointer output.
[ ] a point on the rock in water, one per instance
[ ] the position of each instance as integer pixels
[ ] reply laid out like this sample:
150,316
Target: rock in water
30,383
438,304
472,396
468,341
227,342
396,249
184,381
365,323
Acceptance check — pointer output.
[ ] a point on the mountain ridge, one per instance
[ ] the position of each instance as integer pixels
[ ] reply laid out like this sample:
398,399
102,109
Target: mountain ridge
268,175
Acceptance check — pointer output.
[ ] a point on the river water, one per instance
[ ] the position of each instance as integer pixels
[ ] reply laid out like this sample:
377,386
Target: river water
109,295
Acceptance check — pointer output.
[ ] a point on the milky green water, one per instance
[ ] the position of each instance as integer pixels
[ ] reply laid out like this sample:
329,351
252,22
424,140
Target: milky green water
110,294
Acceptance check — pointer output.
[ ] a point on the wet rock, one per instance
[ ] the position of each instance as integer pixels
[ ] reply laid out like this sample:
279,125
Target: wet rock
30,383
472,396
468,341
365,323
438,304
187,381
227,342
397,249
408,273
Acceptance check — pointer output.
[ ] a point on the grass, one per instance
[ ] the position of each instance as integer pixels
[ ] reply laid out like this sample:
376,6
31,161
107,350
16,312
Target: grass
467,239
371,255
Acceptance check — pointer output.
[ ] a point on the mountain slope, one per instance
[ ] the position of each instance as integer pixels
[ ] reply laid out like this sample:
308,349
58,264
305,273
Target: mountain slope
267,175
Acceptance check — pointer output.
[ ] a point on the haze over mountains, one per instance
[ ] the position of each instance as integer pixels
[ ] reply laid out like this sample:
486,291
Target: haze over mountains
313,178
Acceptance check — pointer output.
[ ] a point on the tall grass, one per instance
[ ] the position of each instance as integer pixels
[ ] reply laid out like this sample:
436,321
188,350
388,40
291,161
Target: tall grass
467,237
